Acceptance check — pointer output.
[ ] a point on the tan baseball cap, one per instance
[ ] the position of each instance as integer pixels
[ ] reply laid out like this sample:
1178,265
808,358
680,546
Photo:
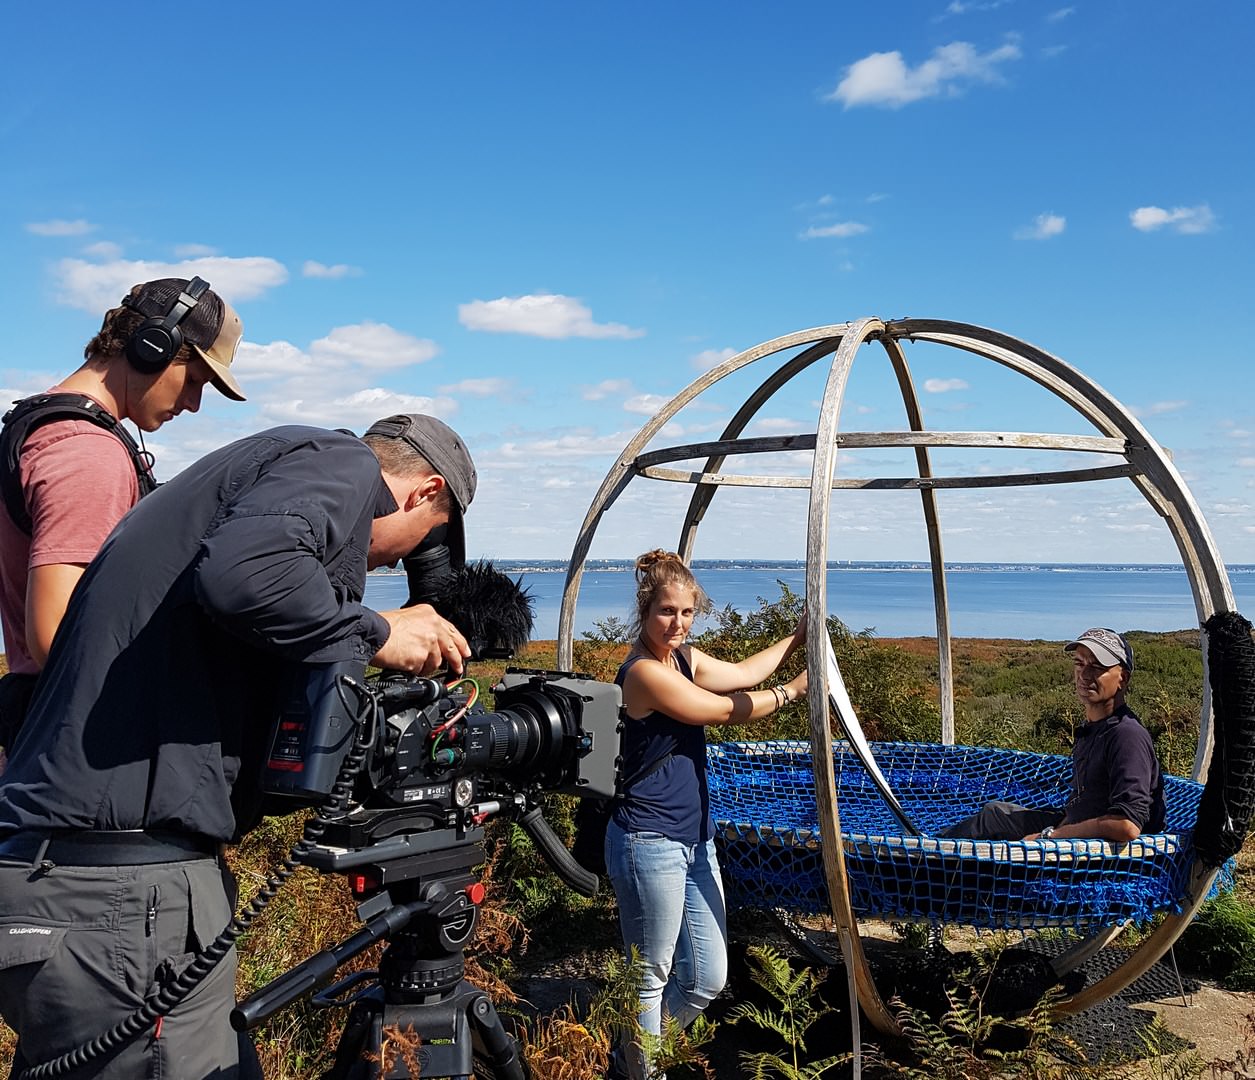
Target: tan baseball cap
211,327
221,352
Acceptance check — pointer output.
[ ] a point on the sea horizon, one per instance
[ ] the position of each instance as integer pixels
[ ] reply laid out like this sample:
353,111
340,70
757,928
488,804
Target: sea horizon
545,566
1022,600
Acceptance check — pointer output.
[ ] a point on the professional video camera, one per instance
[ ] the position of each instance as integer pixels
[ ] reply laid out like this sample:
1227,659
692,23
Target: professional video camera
434,758
406,770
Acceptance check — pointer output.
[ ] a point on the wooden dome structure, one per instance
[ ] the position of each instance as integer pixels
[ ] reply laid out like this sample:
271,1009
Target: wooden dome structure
1118,436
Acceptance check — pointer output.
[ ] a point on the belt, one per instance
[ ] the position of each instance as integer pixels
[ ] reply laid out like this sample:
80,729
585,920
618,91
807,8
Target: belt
97,847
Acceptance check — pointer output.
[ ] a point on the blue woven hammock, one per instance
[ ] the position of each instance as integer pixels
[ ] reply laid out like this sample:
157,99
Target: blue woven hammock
762,798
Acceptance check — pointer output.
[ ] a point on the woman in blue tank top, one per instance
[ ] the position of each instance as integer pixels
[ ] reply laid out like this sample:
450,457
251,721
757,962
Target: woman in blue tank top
660,848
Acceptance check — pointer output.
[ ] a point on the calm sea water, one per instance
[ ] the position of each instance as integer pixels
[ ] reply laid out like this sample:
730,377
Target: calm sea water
1048,602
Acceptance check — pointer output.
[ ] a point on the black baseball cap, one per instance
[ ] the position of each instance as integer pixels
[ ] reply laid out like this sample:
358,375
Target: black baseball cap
444,449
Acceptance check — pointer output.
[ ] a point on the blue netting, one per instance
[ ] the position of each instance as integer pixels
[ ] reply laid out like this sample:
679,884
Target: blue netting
763,801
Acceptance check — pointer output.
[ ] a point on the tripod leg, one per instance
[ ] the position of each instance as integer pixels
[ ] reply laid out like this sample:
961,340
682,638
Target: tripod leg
361,1031
496,1051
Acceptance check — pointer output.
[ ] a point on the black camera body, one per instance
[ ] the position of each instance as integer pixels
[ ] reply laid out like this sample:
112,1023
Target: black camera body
434,753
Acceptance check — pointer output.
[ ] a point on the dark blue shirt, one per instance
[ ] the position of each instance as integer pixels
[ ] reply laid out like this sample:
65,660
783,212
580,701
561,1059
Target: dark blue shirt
166,676
1115,771
672,800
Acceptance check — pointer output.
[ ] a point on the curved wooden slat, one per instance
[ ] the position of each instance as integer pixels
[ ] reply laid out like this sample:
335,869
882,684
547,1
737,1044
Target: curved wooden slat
857,972
858,440
1151,950
896,483
704,493
932,528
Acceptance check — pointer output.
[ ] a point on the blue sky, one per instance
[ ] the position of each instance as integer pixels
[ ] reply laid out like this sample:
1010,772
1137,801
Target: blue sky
542,221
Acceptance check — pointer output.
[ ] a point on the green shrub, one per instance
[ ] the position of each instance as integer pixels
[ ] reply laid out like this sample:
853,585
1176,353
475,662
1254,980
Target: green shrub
1220,942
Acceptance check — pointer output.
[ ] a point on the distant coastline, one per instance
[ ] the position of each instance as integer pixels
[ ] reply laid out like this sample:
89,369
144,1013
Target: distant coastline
892,598
610,566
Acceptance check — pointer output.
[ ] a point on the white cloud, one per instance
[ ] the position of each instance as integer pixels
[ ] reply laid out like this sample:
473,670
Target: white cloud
357,410
1189,220
605,389
962,7
314,269
60,227
777,424
95,287
278,359
884,78
1157,408
943,386
577,445
372,345
545,315
1060,15
194,251
480,388
1231,508
712,358
841,228
877,196
103,249
1043,228
645,404
1246,462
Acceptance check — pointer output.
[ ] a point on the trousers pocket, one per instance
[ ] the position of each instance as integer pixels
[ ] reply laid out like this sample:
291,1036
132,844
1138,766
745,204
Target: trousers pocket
28,941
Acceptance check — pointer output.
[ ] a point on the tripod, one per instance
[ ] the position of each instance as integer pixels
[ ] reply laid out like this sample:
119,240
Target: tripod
416,1015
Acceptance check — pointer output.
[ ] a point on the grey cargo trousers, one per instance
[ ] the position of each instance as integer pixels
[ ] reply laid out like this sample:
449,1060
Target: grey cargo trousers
82,947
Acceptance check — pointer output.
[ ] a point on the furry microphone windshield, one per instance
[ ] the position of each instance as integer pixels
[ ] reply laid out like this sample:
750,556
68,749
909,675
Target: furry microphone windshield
493,612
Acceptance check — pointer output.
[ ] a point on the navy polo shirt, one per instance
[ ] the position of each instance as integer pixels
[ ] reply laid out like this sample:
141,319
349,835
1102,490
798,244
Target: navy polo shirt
1115,771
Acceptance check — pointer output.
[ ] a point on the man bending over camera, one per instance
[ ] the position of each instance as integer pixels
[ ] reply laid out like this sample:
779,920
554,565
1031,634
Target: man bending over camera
150,727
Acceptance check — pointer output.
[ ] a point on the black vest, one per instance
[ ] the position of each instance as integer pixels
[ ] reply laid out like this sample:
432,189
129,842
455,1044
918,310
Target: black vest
32,412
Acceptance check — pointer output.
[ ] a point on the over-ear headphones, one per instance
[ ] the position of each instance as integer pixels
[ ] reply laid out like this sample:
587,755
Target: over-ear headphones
158,339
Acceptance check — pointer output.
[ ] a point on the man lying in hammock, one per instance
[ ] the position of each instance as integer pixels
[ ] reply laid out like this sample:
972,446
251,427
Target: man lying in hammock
1117,783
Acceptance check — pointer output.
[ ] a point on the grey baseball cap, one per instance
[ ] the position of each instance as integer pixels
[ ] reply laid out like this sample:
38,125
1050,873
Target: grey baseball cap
1108,647
444,449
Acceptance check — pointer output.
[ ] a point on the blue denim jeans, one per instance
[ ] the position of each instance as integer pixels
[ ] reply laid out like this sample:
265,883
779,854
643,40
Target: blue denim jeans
671,908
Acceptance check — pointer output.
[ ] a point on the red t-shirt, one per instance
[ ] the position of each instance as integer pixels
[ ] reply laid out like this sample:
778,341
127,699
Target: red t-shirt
78,481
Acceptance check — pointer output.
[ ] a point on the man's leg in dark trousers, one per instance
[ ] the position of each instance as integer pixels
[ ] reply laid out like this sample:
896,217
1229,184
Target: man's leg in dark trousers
1001,821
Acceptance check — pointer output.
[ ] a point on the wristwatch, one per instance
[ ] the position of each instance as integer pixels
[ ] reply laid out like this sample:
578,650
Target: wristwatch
1046,833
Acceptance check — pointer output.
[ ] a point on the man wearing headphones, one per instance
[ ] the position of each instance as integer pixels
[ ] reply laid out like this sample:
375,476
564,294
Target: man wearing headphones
69,470
145,746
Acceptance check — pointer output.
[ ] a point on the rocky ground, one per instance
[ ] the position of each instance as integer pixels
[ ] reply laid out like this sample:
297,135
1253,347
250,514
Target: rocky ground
1203,1020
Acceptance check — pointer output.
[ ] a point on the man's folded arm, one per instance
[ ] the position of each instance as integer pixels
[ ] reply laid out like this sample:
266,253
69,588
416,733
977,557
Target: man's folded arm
261,579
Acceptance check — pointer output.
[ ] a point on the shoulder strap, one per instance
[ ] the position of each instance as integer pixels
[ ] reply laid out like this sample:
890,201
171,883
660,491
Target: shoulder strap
33,412
646,772
683,663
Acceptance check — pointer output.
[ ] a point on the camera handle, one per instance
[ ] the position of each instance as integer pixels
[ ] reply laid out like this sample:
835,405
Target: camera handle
318,969
557,854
